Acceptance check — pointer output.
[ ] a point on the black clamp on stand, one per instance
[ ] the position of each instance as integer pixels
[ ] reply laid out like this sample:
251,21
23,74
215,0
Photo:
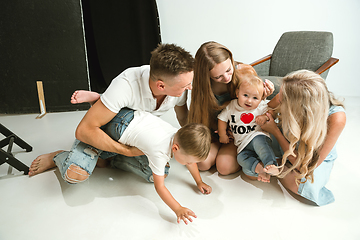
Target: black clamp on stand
8,157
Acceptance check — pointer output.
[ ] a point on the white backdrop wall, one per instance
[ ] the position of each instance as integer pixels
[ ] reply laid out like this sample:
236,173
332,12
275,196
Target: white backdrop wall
251,29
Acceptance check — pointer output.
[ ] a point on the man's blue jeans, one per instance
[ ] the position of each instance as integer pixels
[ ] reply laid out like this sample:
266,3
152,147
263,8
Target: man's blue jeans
258,148
86,156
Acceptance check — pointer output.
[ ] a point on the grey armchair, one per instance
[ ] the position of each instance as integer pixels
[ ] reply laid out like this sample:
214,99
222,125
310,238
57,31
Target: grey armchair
294,51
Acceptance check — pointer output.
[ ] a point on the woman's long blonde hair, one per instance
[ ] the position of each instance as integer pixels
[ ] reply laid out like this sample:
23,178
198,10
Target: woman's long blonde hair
303,114
204,105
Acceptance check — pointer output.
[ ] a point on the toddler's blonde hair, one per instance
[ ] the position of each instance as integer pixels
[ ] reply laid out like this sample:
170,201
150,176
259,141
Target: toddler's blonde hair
254,81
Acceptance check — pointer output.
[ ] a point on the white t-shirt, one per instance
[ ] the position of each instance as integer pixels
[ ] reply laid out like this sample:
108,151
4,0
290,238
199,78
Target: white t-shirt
153,136
131,89
242,122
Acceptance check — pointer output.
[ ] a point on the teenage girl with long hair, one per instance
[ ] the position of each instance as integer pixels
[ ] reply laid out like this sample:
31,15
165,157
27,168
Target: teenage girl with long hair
215,82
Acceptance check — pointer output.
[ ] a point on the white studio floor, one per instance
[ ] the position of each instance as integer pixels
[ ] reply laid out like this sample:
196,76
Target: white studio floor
114,204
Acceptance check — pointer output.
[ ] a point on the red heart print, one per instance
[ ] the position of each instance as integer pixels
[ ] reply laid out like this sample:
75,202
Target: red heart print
246,118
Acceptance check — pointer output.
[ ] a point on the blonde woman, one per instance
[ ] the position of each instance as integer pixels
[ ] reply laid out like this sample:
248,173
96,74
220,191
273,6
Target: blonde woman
215,83
310,123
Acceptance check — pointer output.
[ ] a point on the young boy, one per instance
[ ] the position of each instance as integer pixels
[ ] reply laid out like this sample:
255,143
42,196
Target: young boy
252,143
159,141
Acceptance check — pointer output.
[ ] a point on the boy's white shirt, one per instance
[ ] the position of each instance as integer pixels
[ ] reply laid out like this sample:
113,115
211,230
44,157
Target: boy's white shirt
131,89
241,140
153,136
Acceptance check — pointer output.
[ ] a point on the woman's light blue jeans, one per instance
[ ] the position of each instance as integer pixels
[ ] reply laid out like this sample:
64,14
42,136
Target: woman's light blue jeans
86,156
258,149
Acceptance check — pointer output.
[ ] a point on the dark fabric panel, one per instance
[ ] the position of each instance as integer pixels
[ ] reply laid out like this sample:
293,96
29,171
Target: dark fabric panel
44,40
41,40
120,34
97,81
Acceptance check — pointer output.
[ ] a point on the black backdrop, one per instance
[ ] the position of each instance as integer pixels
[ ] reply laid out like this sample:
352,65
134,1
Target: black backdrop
120,34
44,40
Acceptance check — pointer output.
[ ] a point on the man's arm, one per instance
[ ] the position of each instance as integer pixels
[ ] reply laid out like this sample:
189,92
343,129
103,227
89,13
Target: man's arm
88,131
181,114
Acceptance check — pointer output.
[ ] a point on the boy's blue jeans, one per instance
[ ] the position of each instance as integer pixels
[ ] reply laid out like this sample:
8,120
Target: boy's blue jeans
258,148
86,156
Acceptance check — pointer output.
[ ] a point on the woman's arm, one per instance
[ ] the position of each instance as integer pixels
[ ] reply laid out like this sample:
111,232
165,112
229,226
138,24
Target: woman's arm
274,102
336,124
222,127
181,114
271,127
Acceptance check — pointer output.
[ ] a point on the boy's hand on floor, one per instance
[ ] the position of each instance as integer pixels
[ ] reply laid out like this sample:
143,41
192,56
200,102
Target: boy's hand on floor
185,214
204,188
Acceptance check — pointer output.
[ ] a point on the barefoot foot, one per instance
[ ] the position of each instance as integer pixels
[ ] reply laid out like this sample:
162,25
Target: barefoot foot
272,170
263,177
81,96
42,163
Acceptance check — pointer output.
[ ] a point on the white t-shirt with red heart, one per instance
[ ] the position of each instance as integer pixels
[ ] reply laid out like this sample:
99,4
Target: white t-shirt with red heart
242,122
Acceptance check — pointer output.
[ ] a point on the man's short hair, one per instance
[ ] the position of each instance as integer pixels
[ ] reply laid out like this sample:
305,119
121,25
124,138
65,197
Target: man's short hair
170,60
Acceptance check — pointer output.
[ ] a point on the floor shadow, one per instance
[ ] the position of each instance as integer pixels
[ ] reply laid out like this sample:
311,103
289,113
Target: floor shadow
111,183
271,191
103,183
228,177
275,191
205,209
301,199
12,175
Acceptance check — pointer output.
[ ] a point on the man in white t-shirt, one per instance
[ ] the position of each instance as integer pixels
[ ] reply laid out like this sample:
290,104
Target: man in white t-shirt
155,89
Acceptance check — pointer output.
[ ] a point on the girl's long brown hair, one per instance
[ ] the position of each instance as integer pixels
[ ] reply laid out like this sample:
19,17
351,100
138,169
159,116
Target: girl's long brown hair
204,106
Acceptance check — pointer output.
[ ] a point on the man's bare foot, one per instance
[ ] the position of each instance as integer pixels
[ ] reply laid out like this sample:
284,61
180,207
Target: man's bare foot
81,96
272,170
42,163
